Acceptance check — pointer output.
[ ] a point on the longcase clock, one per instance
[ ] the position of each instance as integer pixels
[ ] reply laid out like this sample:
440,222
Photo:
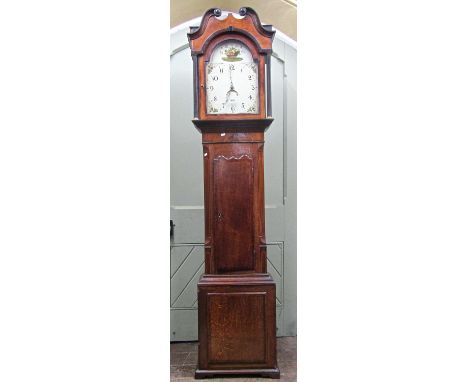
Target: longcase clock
232,107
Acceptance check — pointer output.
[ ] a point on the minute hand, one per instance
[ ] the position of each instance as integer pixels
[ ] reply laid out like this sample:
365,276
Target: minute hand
231,89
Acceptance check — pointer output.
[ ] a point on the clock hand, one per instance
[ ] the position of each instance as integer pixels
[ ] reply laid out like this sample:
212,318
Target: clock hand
231,88
232,85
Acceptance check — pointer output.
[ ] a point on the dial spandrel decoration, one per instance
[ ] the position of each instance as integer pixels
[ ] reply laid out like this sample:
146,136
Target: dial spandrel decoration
231,80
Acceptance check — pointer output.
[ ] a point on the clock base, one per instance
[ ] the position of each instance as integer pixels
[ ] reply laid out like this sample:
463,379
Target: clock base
266,373
237,325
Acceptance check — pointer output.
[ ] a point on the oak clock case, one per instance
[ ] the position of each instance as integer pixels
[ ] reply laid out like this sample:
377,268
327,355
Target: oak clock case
232,110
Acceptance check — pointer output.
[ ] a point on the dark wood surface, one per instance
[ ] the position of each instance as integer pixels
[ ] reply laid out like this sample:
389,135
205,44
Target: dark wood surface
236,297
241,127
211,26
234,205
237,325
233,193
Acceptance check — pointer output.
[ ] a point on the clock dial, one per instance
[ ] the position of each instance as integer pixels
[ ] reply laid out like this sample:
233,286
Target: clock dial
231,80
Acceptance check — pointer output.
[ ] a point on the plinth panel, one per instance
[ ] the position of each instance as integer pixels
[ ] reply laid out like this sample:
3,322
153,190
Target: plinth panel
237,324
236,327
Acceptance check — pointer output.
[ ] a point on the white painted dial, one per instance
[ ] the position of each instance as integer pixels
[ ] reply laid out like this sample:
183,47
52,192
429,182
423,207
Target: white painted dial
231,80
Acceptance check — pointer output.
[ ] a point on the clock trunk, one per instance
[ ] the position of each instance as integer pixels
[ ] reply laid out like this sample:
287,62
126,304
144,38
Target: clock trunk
234,202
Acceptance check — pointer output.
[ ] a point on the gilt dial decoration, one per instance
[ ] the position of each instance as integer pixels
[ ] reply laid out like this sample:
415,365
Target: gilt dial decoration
231,80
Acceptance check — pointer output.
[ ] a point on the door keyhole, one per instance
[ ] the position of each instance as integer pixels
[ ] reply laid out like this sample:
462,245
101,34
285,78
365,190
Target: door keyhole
220,216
